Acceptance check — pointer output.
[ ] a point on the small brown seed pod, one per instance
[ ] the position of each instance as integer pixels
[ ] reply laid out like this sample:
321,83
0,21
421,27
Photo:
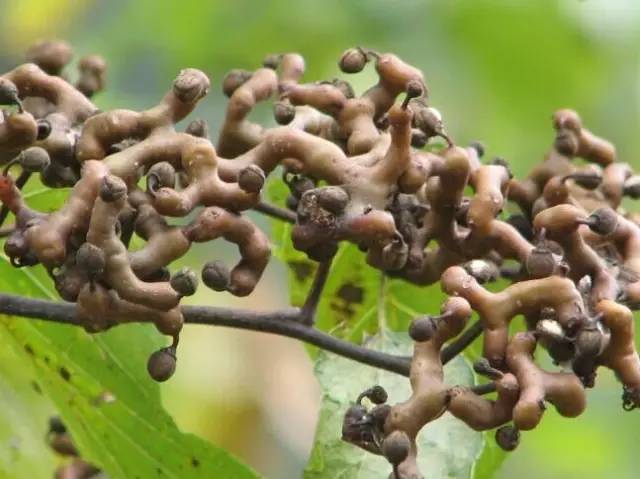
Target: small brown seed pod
185,282
112,189
396,447
422,329
603,221
540,263
332,198
198,128
8,92
233,80
34,159
91,259
216,275
251,179
162,364
161,175
508,438
352,61
283,112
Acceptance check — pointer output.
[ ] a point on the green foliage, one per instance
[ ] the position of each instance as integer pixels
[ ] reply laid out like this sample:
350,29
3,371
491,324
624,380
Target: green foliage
362,305
448,448
100,387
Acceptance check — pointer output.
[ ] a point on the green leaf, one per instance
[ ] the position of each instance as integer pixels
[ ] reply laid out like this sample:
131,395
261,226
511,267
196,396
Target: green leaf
99,385
23,421
448,448
360,304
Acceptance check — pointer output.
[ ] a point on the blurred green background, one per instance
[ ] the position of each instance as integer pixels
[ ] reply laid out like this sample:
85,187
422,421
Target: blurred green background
496,70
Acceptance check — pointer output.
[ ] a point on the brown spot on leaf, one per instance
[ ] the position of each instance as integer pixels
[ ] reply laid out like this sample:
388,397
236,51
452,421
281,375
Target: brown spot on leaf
28,349
351,293
301,269
64,373
346,297
195,462
36,387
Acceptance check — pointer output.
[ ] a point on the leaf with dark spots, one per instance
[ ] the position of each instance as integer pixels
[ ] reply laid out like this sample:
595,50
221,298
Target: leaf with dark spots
303,270
359,303
100,387
64,373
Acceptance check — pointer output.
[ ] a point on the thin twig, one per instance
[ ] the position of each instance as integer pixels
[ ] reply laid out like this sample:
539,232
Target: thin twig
461,342
6,230
275,212
308,311
284,322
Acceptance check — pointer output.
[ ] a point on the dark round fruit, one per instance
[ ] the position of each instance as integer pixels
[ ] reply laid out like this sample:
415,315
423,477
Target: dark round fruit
34,159
283,112
418,139
332,198
184,282
323,252
190,85
112,188
414,89
590,342
161,175
507,437
251,179
300,184
377,394
272,61
162,364
91,259
8,92
44,129
198,128
422,329
233,80
632,187
396,447
216,275
603,221
540,263
352,61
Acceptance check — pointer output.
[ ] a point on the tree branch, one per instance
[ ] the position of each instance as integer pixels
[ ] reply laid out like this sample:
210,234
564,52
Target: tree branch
284,322
308,311
275,212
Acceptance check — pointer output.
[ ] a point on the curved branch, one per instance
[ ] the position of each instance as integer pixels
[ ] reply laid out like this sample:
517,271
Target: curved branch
285,322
